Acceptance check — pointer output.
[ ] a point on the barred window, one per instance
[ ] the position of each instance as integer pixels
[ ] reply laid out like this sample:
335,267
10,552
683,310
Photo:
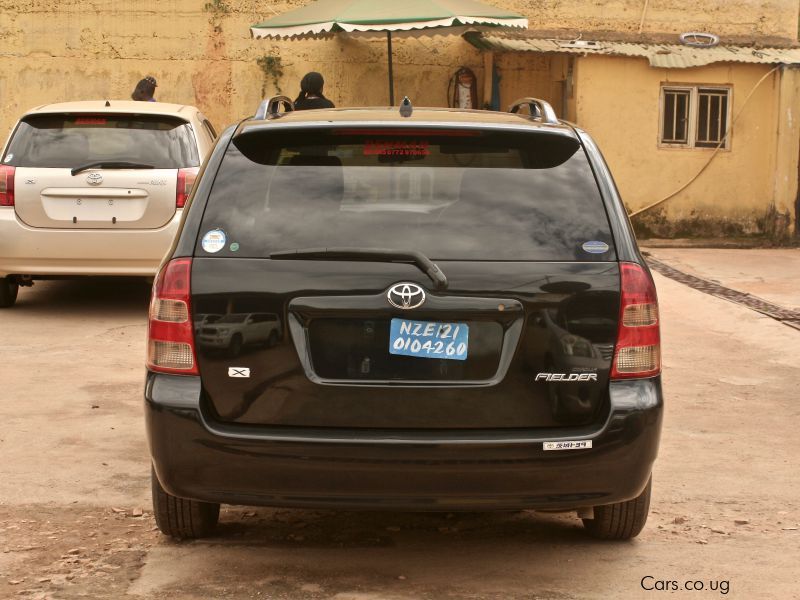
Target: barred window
712,116
695,116
676,117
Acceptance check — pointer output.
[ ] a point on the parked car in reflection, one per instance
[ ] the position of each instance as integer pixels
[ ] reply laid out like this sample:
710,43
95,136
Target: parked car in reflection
233,332
577,337
201,320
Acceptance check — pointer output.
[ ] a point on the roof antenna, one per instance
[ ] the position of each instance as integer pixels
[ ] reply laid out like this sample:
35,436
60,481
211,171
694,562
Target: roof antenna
108,103
405,107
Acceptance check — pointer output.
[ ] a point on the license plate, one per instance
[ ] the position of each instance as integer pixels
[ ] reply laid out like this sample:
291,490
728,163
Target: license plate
429,339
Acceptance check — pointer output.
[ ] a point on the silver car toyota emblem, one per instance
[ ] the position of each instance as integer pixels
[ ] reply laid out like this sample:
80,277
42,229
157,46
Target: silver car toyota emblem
406,296
94,179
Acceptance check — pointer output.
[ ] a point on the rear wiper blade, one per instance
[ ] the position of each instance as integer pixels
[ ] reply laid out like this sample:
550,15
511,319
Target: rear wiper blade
110,164
418,259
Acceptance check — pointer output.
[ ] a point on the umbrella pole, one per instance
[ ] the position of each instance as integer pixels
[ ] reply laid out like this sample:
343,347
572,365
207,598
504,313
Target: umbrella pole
391,71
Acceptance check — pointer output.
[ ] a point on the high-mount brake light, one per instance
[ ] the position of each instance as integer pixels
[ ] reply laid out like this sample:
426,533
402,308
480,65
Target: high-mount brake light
170,340
638,351
404,132
7,185
186,179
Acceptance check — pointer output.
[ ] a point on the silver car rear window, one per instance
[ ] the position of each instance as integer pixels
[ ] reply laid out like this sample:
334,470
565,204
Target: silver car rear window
72,140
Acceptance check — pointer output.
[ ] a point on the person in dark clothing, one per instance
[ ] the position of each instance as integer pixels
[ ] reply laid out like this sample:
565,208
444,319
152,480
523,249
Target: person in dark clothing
311,95
145,90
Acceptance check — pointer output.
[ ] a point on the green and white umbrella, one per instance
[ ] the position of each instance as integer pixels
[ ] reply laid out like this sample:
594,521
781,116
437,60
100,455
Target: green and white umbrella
358,16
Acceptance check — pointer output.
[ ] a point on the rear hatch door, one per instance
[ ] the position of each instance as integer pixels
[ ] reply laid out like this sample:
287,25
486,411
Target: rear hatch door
98,171
321,228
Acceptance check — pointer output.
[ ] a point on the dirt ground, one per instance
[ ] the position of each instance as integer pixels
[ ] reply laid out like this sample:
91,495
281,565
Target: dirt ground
769,273
75,518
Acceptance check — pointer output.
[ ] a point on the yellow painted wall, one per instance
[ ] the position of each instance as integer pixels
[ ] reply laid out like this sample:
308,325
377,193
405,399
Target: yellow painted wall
528,74
618,103
201,53
774,18
71,49
787,156
78,49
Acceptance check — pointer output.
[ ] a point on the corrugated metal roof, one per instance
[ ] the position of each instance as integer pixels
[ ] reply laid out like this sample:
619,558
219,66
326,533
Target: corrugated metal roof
668,56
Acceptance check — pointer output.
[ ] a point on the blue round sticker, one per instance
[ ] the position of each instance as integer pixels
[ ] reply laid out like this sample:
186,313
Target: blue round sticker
214,241
595,247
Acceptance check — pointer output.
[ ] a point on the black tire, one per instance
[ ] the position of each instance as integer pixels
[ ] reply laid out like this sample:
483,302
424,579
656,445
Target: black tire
272,340
235,347
180,518
8,292
621,521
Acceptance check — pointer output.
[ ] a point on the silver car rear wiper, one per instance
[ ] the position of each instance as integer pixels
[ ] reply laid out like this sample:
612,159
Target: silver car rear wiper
418,259
110,164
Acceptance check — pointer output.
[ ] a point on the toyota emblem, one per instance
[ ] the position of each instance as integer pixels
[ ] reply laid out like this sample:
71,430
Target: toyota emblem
94,179
406,296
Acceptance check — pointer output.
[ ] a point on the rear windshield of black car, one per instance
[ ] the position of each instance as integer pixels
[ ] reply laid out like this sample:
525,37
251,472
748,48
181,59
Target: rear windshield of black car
451,194
73,140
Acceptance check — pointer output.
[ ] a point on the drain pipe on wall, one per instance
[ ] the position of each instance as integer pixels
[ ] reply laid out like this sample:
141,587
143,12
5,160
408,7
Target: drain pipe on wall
716,150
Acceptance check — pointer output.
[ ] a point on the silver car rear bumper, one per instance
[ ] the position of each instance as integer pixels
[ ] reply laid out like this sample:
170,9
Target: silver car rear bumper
34,251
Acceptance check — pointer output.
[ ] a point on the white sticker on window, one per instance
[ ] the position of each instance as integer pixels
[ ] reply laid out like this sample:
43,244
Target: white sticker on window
8,158
595,247
570,445
214,241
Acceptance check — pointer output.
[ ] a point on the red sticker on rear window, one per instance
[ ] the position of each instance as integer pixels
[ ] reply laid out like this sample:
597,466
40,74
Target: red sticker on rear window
91,121
396,148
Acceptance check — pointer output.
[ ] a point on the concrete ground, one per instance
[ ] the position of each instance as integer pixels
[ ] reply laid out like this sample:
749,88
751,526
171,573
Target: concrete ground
75,520
770,273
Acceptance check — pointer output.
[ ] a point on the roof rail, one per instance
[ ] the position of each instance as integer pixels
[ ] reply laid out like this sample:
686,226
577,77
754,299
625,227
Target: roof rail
270,109
540,110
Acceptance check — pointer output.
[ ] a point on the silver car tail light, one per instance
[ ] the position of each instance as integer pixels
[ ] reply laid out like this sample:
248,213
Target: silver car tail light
7,185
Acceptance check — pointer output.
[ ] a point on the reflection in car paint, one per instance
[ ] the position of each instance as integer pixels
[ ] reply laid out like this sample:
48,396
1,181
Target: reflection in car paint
564,352
236,333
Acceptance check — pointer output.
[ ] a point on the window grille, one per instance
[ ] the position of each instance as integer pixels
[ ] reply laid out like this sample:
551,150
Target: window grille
712,117
676,117
694,116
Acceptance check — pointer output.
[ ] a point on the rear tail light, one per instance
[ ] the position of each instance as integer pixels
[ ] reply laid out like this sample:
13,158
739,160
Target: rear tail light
638,352
6,185
170,340
186,178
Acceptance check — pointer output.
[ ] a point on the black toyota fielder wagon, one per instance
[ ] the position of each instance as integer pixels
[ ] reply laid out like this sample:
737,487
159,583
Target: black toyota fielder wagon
432,310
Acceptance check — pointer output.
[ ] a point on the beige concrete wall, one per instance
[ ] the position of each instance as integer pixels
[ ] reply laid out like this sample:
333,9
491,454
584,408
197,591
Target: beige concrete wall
201,52
618,103
787,152
773,18
79,49
529,74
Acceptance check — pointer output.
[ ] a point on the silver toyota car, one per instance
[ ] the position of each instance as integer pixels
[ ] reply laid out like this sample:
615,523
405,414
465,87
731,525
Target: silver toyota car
95,188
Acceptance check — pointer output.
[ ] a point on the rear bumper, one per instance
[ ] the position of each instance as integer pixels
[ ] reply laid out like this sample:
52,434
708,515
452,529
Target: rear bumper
197,458
34,251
